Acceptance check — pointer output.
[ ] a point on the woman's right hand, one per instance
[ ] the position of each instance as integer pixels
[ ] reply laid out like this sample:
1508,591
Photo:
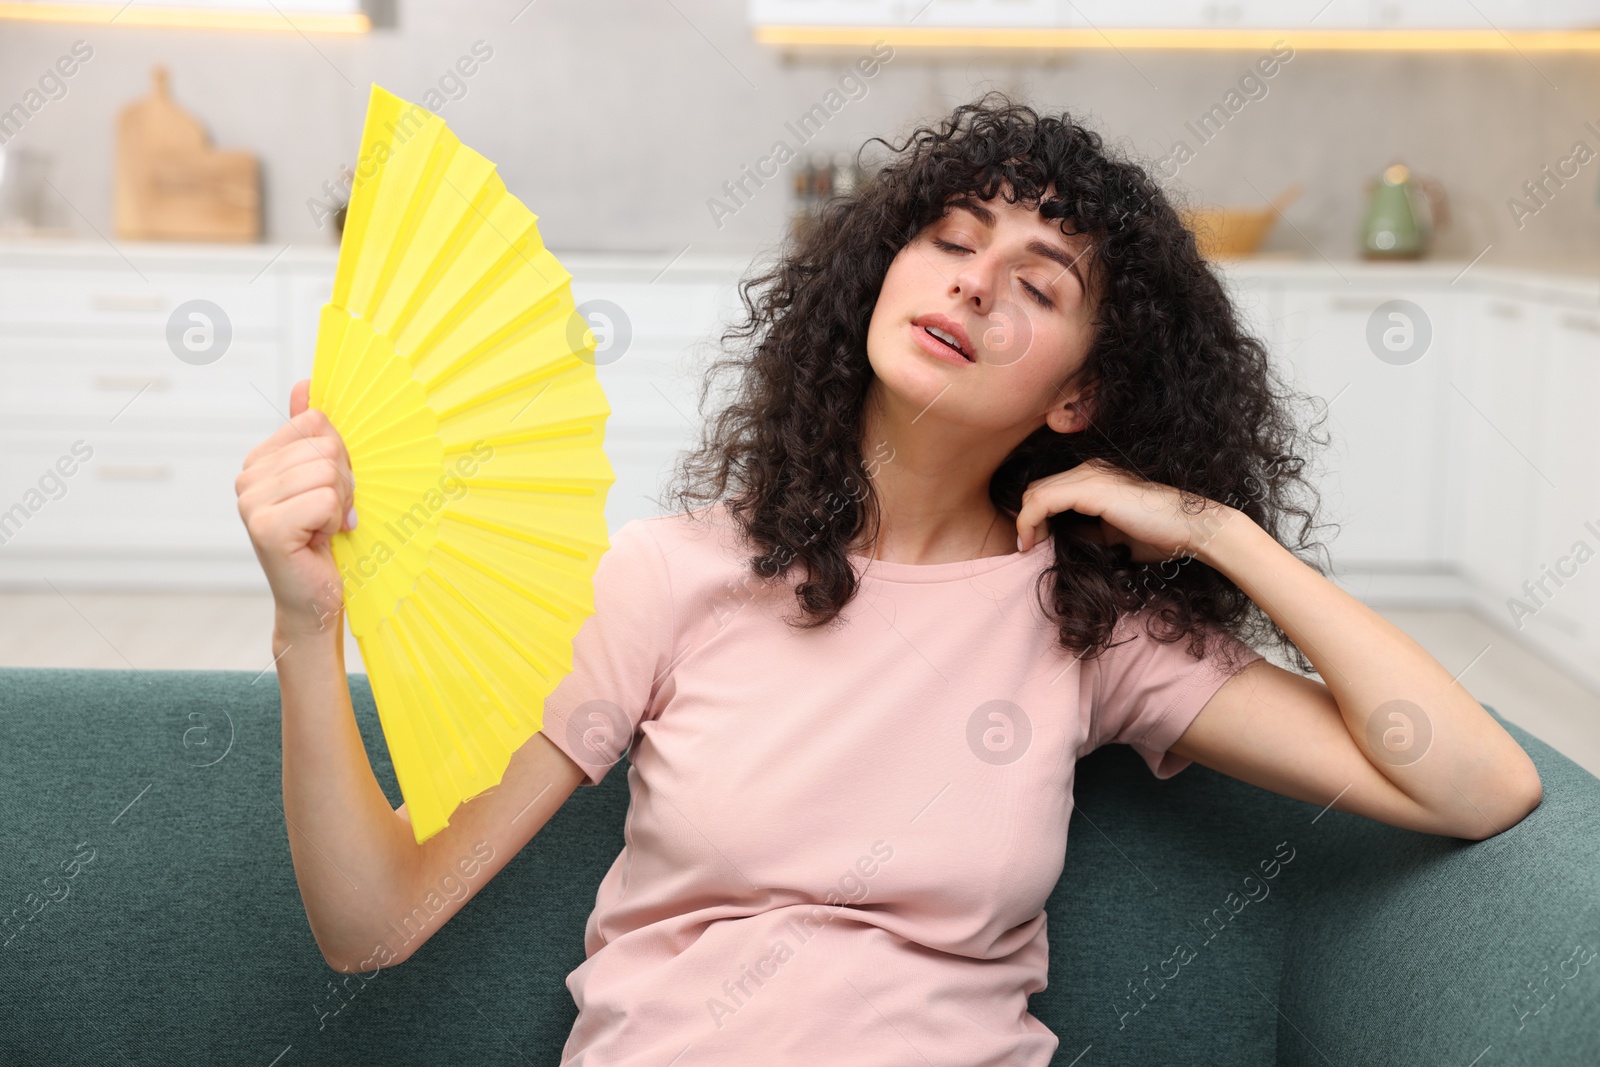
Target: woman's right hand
295,492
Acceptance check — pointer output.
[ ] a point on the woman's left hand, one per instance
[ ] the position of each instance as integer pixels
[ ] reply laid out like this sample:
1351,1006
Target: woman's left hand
1146,516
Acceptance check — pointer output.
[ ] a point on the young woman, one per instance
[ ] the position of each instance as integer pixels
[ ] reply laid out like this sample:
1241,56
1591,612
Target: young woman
1002,480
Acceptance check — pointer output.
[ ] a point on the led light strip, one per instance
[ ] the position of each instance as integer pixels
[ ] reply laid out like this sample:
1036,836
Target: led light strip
1400,40
188,17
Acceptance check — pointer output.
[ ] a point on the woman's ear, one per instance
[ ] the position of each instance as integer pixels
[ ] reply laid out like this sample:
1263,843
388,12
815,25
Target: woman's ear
1073,414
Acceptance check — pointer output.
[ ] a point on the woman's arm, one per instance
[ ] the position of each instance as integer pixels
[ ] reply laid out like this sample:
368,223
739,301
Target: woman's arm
1400,709
1388,733
353,855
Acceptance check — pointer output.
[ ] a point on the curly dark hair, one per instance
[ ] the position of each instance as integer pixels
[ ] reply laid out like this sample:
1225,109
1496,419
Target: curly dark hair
1183,394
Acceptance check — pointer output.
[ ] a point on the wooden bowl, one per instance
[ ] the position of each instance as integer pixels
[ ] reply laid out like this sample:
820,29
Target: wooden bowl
1221,232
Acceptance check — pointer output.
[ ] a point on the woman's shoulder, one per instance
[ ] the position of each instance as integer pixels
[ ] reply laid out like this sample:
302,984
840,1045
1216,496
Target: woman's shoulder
706,556
698,551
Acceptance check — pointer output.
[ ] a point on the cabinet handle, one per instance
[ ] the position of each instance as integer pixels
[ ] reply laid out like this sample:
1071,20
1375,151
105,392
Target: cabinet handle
127,301
1587,323
1505,311
121,383
1350,303
148,472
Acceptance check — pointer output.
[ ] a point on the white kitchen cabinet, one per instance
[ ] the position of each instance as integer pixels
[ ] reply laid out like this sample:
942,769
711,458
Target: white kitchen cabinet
1014,13
1563,577
1382,473
307,289
105,346
1258,299
115,298
655,336
1496,399
1224,14
642,459
161,492
1011,13
1482,14
1425,14
134,384
85,356
1559,14
829,12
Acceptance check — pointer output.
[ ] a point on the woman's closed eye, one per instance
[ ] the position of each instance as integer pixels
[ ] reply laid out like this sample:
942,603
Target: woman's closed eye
1044,301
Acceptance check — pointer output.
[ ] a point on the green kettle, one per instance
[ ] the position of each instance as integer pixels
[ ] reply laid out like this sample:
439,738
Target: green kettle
1403,211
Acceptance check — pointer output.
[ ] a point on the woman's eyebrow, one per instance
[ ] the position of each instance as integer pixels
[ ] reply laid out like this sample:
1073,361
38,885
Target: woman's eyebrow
1059,255
1051,252
983,214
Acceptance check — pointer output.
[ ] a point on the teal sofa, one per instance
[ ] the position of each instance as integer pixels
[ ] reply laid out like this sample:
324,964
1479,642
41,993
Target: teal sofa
152,915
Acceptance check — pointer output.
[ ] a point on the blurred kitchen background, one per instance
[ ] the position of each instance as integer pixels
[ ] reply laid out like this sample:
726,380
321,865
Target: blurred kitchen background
1400,194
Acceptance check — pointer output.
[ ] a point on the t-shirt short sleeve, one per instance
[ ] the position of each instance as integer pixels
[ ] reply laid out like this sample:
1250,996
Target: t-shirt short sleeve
1145,693
620,655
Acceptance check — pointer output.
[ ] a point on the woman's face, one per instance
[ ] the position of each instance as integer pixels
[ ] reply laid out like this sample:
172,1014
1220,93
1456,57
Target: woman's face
1010,287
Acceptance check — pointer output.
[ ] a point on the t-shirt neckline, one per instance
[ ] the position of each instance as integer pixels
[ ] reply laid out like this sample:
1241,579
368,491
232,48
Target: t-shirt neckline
949,571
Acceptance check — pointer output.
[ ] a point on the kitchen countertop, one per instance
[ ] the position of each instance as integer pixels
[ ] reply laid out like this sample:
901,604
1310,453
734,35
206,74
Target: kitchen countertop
1577,280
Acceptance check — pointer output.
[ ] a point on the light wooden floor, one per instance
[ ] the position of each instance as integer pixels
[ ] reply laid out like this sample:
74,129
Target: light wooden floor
149,631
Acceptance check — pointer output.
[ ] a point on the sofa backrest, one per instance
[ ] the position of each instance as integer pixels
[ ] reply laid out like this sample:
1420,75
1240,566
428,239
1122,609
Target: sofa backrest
156,919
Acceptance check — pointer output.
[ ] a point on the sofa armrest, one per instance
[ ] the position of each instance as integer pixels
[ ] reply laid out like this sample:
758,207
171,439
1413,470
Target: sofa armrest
1414,948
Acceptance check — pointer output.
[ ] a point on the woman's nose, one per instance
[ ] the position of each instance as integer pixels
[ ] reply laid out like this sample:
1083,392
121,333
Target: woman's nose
973,282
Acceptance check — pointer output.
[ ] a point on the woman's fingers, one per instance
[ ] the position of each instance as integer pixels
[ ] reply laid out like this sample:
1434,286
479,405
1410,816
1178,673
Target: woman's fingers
1067,491
295,493
321,451
316,513
304,454
308,423
301,478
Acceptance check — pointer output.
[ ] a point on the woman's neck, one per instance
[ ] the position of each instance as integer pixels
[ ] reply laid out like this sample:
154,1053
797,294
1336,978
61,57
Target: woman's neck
938,549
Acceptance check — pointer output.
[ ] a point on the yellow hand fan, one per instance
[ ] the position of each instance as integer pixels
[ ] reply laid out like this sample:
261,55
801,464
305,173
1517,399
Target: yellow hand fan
454,365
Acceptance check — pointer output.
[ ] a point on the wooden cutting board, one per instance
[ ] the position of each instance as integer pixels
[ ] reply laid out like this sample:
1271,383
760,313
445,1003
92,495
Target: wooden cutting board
172,185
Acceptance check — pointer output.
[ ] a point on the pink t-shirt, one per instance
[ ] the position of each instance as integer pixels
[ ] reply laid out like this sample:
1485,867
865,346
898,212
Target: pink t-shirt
840,841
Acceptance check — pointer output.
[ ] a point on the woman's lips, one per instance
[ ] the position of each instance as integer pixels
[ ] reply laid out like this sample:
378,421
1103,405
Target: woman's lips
935,347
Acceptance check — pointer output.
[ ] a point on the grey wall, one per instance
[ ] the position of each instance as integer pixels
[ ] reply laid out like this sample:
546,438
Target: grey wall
616,122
